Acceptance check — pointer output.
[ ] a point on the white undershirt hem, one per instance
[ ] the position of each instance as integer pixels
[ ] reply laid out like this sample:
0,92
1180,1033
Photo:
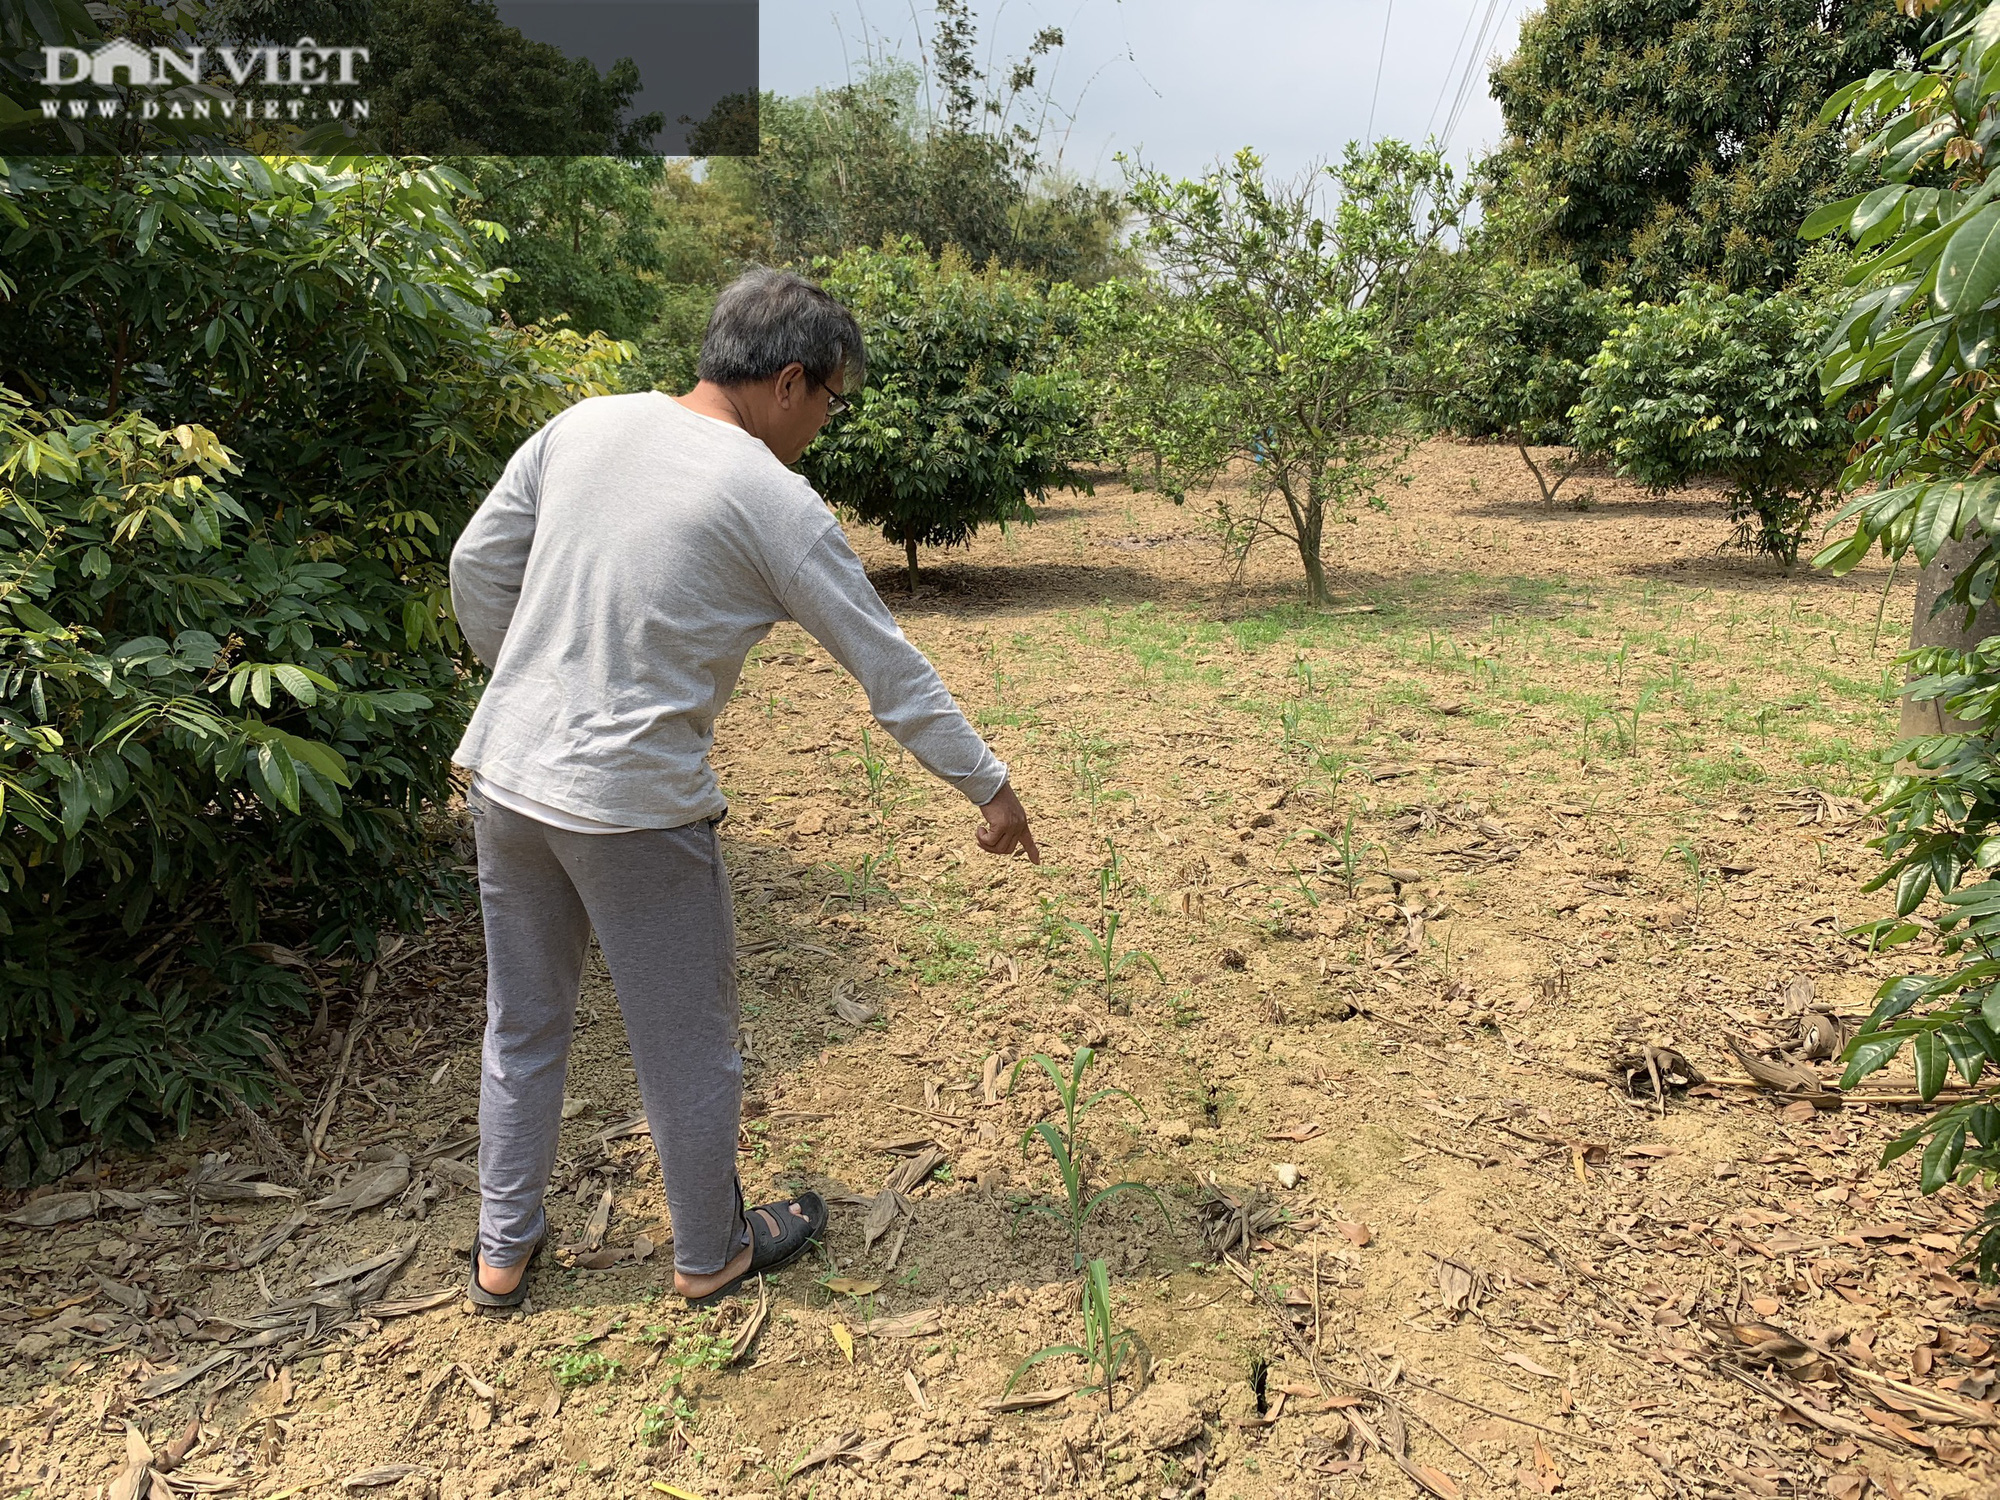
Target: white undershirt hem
541,812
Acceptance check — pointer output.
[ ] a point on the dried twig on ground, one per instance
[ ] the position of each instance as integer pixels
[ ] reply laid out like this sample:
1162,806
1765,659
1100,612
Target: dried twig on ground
371,978
1783,1073
1661,1066
1233,1217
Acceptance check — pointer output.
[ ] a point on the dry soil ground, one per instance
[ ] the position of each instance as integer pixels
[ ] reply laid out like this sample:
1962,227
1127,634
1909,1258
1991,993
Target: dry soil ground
1597,783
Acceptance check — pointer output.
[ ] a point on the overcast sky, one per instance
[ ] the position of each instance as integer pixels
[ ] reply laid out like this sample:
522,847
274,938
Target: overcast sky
1183,81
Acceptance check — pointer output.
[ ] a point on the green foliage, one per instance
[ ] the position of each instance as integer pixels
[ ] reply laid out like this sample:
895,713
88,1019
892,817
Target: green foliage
1511,362
1914,342
1066,1146
864,880
1106,1348
949,158
879,775
1351,855
583,238
1678,140
573,1368
687,1352
1087,757
706,234
244,408
970,407
1277,336
1721,384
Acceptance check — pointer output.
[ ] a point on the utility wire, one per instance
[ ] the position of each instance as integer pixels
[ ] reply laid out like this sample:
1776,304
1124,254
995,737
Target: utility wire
1451,67
1472,62
1474,67
1380,58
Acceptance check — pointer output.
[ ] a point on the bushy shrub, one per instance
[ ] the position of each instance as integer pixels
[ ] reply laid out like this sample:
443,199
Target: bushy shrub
971,407
1723,385
244,409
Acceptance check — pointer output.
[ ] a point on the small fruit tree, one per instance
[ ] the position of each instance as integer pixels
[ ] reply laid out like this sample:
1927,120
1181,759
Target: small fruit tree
1511,362
1277,341
1913,346
971,408
1725,385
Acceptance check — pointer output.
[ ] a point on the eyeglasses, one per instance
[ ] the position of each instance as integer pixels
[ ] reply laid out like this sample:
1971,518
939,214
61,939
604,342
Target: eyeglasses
836,403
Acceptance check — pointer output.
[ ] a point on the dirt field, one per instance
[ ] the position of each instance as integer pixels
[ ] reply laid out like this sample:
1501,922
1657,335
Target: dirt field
1420,875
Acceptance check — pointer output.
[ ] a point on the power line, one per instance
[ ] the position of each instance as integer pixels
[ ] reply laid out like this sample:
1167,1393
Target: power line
1452,67
1474,65
1380,57
1472,62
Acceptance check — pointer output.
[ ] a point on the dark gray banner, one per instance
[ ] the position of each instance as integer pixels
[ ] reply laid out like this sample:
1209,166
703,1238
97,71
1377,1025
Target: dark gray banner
545,78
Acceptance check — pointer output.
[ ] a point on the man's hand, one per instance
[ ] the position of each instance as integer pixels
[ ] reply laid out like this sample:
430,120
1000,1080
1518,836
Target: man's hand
1007,826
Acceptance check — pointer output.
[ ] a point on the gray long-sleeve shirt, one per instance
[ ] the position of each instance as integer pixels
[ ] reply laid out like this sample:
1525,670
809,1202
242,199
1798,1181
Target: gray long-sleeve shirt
615,579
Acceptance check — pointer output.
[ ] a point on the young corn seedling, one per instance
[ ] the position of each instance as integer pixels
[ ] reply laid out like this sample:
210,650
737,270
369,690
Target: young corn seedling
1106,1348
1087,762
1110,877
1108,961
864,880
1304,674
875,771
1302,883
1350,856
1689,853
1065,1143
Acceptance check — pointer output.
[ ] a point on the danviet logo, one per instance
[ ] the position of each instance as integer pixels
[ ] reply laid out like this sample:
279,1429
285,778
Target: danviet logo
302,67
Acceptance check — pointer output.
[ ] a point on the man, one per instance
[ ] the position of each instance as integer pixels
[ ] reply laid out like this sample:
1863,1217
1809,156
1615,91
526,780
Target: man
633,552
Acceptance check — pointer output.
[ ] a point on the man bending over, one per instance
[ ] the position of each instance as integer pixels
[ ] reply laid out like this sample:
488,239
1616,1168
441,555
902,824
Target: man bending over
633,552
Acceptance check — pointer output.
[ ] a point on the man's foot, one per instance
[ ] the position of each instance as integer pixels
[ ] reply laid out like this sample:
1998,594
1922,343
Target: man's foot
696,1287
500,1280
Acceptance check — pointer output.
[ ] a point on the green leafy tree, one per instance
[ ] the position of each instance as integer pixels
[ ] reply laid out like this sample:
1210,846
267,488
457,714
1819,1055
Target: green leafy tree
1723,384
1912,348
1275,346
584,238
707,233
245,407
1680,139
970,410
1511,362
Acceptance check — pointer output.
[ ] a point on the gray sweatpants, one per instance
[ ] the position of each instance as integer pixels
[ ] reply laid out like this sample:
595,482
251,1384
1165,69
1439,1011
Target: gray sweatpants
659,901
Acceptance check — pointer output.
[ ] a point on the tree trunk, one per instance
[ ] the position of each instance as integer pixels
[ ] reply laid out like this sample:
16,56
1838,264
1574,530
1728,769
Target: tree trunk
1310,533
1316,593
910,554
1560,468
1947,629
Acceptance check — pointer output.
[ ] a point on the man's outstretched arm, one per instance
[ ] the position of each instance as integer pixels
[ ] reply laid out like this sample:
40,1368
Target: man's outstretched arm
831,597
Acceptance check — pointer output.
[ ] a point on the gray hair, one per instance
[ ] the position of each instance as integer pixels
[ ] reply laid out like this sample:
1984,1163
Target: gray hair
766,319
